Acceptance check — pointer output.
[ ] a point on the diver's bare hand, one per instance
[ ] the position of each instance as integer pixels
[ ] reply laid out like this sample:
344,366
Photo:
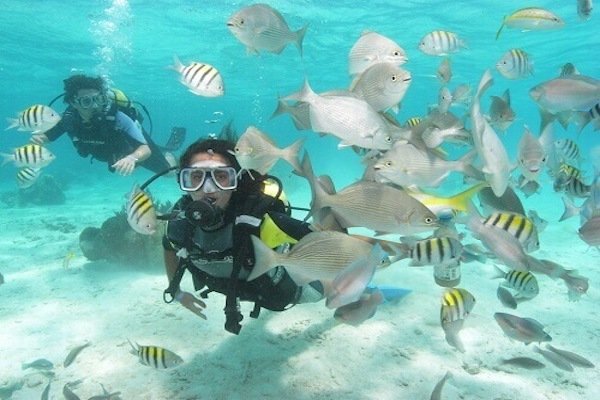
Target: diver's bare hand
191,302
39,138
125,165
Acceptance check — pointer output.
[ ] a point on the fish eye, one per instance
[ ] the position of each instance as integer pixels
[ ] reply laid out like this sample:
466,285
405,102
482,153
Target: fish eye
388,163
396,53
388,139
394,78
428,220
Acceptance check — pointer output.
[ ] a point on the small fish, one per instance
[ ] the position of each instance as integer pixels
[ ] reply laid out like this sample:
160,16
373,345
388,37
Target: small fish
567,151
462,94
40,363
524,362
555,359
261,27
457,304
372,48
509,201
571,357
68,392
531,19
437,390
37,119
211,121
568,69
444,100
524,330
524,283
506,298
501,115
200,78
141,214
576,188
73,353
444,71
67,259
27,176
413,121
46,392
256,150
435,251
517,225
155,356
515,64
356,313
29,155
440,43
584,9
531,156
452,205
576,284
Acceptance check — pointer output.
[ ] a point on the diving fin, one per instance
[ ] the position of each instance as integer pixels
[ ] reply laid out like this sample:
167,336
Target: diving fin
175,140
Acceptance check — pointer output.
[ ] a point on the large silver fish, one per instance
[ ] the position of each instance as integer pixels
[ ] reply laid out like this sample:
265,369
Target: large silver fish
491,150
526,330
256,150
372,48
261,27
372,205
382,85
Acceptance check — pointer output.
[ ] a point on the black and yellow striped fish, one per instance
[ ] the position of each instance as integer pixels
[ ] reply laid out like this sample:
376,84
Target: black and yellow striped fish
567,150
30,155
200,78
412,122
517,225
457,303
37,118
156,357
27,176
436,251
523,282
576,188
141,214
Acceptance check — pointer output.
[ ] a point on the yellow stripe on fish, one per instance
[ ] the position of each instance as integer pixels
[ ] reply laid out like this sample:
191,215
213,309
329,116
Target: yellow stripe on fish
457,303
155,356
517,225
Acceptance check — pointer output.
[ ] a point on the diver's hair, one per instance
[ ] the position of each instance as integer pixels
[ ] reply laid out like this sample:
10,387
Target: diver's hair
77,82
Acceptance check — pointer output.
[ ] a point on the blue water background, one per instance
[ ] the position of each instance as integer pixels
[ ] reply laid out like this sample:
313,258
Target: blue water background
132,44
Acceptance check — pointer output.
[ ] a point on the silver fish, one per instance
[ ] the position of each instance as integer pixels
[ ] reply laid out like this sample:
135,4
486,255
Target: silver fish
46,392
571,357
515,64
353,120
524,362
37,119
372,48
436,394
435,251
141,214
382,85
584,9
317,256
524,283
27,176
501,115
531,18
351,282
506,298
68,392
200,78
517,225
567,151
29,155
256,150
40,363
356,313
509,201
444,71
524,330
462,94
440,43
261,27
531,156
555,359
590,231
73,353
299,112
155,356
491,150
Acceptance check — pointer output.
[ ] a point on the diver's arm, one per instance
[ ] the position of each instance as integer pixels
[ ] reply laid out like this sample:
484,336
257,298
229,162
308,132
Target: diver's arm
171,263
186,299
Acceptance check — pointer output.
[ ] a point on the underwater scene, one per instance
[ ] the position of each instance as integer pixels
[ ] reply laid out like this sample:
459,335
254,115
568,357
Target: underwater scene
300,199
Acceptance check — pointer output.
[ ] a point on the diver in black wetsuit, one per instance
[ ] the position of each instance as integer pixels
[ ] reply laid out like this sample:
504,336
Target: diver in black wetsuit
211,235
99,129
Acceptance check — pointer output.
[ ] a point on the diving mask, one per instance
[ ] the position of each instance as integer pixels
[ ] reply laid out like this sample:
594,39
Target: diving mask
98,100
209,178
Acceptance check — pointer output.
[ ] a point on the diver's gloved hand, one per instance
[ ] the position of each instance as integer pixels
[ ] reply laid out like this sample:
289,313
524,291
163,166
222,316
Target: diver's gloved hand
125,165
191,302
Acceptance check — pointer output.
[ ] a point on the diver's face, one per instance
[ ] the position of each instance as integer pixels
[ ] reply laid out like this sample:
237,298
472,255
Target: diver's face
89,102
219,198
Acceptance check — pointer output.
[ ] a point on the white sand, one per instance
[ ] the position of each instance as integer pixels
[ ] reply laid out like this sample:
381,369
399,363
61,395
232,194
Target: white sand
299,354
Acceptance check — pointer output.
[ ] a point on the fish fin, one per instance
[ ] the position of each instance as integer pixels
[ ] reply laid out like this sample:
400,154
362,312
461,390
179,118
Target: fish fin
498,272
501,26
291,154
265,258
300,37
570,209
14,122
7,158
546,119
134,348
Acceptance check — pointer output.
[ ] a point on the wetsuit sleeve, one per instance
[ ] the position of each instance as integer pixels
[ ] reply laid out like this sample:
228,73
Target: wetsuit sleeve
61,127
129,127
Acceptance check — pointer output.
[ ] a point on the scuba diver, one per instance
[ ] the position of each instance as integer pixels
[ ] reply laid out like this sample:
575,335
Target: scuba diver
99,128
210,237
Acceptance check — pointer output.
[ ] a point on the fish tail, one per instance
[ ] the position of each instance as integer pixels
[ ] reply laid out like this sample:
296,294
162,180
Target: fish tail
318,192
282,108
291,154
7,158
13,123
177,64
300,37
500,30
134,349
264,259
461,201
498,273
570,209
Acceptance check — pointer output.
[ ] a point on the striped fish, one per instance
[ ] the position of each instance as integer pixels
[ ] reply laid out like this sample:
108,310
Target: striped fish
576,188
457,304
27,176
30,155
523,282
200,78
37,118
567,150
141,215
436,251
515,64
518,226
441,43
413,121
156,357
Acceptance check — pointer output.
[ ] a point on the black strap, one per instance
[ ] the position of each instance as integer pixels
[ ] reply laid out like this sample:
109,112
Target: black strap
174,283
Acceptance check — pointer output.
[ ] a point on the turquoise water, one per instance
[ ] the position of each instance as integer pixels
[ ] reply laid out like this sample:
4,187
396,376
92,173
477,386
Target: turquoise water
133,43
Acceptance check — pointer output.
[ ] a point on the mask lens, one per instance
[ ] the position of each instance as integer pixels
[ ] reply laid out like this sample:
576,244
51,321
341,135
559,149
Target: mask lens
191,179
85,101
225,178
100,100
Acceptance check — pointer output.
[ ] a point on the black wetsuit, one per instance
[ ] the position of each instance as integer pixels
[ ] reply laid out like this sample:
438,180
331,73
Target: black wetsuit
210,259
108,137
